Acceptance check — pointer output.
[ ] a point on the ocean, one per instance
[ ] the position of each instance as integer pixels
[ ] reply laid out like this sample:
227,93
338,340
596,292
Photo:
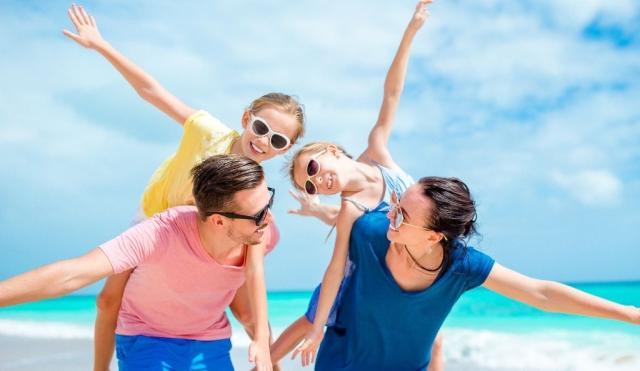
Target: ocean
484,330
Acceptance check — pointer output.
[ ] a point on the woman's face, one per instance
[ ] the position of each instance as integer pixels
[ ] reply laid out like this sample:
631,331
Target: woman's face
326,179
415,208
259,147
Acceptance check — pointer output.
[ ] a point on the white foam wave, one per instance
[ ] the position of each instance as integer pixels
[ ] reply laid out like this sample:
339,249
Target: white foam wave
544,350
45,330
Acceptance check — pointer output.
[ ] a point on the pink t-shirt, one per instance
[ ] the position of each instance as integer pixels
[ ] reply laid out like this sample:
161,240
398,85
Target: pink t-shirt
177,289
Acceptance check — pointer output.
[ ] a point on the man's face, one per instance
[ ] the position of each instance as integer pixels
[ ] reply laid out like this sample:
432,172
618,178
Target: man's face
249,202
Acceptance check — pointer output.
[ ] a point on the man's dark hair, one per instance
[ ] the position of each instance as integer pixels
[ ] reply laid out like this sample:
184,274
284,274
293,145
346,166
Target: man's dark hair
219,177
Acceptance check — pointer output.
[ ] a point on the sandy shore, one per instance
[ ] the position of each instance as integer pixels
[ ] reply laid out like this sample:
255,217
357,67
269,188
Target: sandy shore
18,353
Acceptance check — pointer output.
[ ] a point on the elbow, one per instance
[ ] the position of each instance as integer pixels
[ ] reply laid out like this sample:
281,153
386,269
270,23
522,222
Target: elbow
543,295
147,92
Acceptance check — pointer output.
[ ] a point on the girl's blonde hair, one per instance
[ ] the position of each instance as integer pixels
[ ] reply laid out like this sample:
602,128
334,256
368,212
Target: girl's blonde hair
284,103
313,147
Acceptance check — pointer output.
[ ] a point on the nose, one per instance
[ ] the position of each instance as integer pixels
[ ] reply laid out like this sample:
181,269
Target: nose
264,141
319,179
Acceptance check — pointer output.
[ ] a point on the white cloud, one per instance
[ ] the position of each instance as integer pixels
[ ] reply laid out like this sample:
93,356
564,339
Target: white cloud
591,187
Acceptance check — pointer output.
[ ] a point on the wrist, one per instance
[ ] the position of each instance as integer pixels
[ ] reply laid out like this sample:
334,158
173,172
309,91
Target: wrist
100,46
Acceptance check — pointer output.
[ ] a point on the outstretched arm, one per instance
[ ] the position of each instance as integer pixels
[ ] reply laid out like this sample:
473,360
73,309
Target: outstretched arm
259,350
144,84
55,279
393,86
330,283
555,297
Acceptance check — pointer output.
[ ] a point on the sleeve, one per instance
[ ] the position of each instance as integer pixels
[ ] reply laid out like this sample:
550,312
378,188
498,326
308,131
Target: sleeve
478,267
199,130
136,245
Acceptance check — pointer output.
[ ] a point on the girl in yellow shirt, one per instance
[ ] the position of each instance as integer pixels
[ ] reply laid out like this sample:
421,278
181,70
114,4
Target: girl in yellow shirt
272,124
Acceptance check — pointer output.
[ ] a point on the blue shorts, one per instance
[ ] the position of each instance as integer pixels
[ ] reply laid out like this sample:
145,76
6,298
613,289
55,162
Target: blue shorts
162,354
315,297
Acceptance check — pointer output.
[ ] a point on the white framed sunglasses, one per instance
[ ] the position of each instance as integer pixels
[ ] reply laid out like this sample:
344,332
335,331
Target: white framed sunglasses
261,128
398,217
313,169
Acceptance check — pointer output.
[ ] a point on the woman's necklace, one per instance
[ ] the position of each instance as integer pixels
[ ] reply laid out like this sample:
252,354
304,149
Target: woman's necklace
422,268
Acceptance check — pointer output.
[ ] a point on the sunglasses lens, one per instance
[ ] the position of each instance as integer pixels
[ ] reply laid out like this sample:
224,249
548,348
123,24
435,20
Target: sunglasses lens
313,167
260,127
279,141
310,187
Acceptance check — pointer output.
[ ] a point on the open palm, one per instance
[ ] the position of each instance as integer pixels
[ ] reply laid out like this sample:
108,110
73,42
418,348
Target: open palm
87,31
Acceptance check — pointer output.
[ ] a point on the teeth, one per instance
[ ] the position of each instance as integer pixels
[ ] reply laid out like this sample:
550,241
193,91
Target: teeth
255,148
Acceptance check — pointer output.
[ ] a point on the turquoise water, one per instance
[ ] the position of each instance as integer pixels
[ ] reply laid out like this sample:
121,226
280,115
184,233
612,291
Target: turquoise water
478,309
483,331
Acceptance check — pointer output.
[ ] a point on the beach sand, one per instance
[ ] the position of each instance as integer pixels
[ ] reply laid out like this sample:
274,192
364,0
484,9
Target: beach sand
19,353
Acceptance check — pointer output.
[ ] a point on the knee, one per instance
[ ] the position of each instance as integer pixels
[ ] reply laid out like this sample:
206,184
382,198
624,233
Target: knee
108,301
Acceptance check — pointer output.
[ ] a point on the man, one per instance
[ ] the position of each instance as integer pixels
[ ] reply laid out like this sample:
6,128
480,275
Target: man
189,262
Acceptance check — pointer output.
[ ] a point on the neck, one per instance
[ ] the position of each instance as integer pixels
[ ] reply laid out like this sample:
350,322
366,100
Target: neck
361,176
217,245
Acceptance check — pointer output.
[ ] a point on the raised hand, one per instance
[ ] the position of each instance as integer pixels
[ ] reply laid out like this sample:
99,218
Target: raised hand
87,30
308,203
421,14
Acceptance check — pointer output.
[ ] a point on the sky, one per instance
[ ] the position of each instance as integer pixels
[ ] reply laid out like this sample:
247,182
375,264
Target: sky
534,104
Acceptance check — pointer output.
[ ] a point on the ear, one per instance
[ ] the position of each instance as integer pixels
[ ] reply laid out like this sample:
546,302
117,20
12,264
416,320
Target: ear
434,238
215,221
244,120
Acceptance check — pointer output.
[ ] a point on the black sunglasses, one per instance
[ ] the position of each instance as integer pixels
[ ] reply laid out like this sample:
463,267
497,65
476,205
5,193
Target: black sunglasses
258,218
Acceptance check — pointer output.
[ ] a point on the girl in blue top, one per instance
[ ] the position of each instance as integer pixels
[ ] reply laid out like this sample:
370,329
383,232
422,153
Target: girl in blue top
365,184
411,267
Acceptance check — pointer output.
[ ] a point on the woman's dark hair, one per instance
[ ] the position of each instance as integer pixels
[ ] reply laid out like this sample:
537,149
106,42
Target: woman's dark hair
453,213
217,179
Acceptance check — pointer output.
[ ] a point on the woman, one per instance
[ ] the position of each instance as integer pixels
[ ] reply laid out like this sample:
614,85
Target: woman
411,267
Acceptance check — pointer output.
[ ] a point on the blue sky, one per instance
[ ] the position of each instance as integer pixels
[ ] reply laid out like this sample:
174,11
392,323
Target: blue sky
534,104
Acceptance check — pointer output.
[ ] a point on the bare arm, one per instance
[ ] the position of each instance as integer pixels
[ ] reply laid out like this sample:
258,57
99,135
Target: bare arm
143,83
55,279
331,281
259,350
393,86
310,206
555,297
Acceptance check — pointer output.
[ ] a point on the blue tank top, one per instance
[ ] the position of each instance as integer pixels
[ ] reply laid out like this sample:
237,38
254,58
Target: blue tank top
379,326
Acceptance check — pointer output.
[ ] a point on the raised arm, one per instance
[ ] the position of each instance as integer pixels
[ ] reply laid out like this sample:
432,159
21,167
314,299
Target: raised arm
555,297
393,86
330,283
144,84
259,349
55,279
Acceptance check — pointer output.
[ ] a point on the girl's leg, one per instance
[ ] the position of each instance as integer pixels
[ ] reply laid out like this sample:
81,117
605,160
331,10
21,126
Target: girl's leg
289,338
437,357
108,304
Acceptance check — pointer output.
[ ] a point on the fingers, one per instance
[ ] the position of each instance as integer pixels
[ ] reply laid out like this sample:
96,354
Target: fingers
294,194
294,211
85,17
93,21
71,35
77,14
73,17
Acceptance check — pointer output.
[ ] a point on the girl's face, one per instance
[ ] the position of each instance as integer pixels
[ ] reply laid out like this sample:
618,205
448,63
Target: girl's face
267,133
319,172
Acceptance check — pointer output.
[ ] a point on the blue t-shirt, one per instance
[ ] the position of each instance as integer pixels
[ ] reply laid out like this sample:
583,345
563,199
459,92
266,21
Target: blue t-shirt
379,326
